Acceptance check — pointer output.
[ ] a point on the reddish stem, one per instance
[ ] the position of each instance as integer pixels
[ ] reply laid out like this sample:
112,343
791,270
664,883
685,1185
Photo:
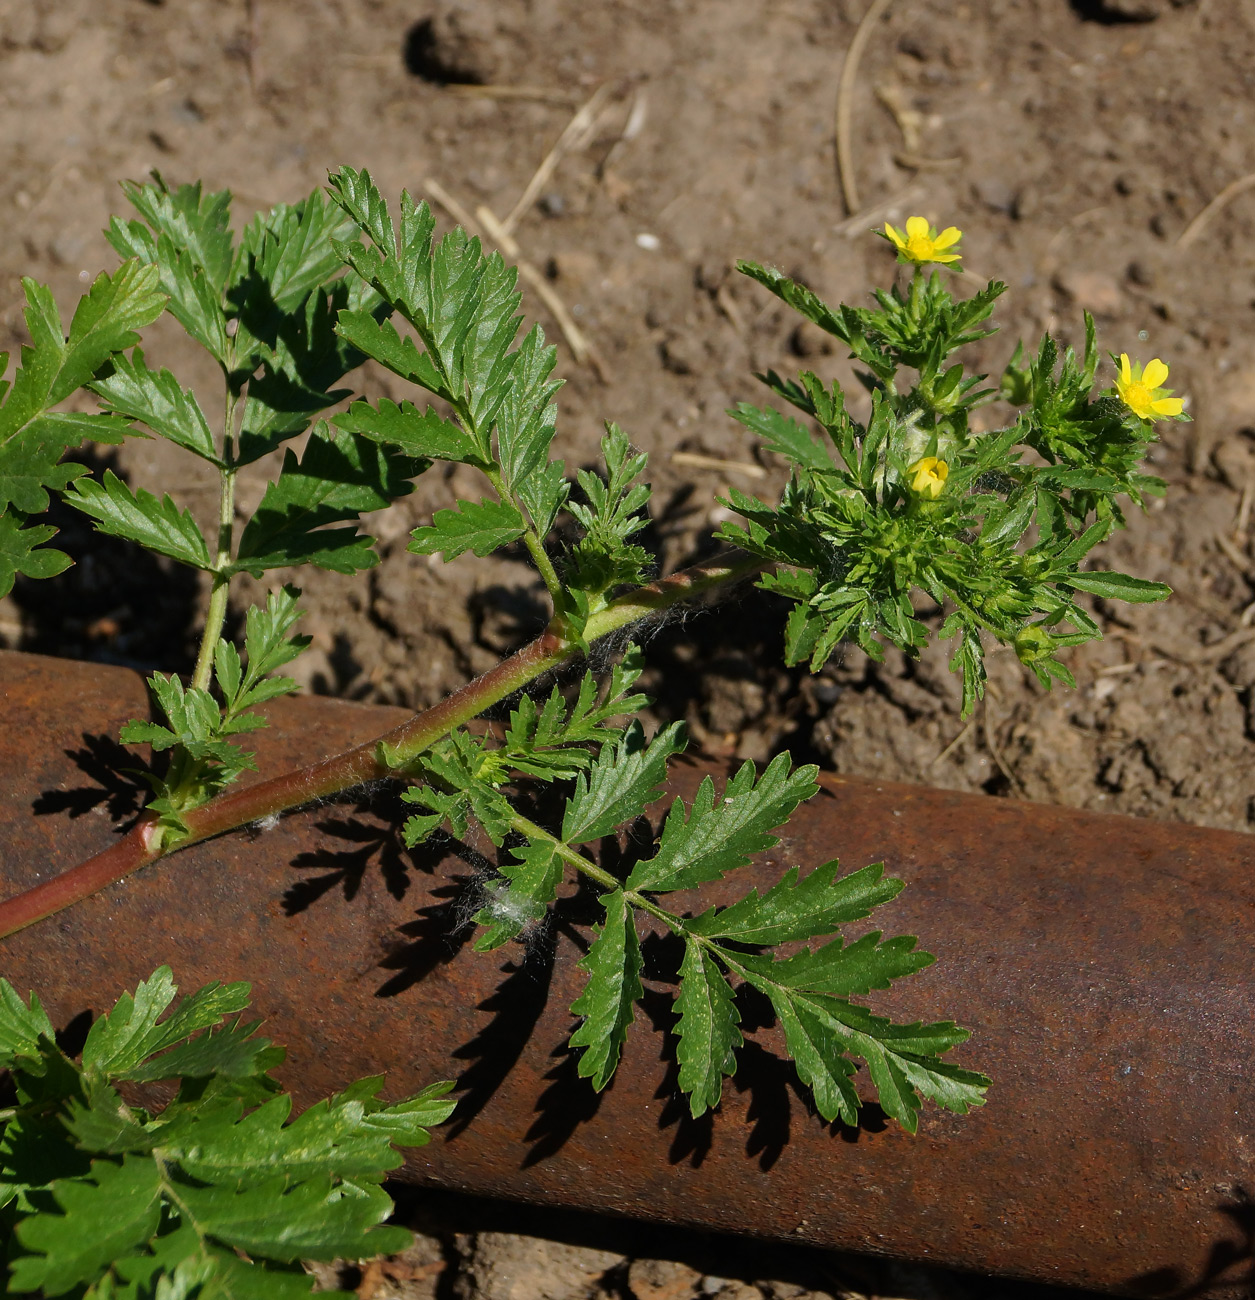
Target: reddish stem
143,844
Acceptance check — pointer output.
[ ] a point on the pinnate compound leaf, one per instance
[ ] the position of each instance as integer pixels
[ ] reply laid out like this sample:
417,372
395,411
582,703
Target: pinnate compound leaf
613,972
222,1171
717,838
623,780
481,528
794,909
340,477
140,517
155,398
530,885
707,1029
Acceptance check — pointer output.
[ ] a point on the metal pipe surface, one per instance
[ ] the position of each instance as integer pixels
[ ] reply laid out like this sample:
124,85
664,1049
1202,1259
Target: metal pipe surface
1103,963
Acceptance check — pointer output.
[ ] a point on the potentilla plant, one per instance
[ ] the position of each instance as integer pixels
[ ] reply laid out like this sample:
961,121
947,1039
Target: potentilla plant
993,527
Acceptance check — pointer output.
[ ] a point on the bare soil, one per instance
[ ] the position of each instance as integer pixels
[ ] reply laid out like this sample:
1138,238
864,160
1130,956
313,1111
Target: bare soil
1074,143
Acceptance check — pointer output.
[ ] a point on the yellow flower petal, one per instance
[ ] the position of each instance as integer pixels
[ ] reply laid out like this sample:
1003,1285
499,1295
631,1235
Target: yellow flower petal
945,257
916,228
1126,371
898,241
1167,406
1155,373
950,235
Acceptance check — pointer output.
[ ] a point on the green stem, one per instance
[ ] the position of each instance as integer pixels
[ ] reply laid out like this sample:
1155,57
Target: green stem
574,858
147,841
535,546
216,614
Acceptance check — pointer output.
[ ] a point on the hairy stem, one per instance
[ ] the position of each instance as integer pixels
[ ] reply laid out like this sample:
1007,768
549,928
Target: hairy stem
586,867
146,843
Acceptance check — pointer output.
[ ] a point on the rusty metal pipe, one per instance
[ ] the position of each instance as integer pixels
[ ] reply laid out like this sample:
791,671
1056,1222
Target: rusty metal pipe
1103,963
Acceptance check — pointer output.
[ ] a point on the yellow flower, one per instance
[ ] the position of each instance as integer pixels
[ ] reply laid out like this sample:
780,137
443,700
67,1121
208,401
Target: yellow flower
928,477
921,243
1139,389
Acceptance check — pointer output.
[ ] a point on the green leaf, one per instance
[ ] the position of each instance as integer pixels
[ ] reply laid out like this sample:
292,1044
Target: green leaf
105,1216
291,250
817,1043
122,1040
313,1219
340,477
707,1029
481,528
105,322
719,837
185,1192
155,398
193,299
624,779
785,436
844,969
531,884
267,647
302,358
461,302
1117,586
380,341
22,1025
232,1051
416,433
21,551
198,224
159,525
612,969
526,422
407,1122
32,438
792,910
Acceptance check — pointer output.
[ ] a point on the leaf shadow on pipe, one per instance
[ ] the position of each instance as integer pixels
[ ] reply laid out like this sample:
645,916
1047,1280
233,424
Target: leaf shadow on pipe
1220,1272
114,781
